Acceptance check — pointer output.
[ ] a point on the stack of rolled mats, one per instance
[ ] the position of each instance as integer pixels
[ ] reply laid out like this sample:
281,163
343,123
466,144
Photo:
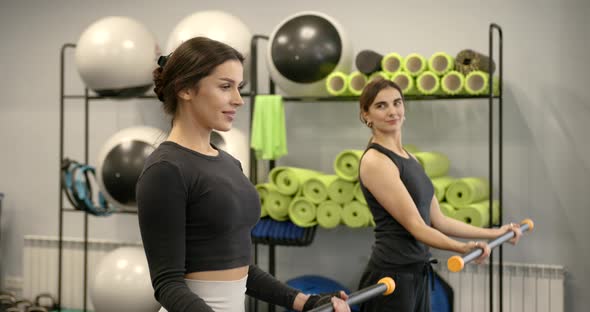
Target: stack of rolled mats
467,74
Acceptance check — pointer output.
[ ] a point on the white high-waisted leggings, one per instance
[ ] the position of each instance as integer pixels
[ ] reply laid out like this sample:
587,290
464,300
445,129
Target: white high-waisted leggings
221,296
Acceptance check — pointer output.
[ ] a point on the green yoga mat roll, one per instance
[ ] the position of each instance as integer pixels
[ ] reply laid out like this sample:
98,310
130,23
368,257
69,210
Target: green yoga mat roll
329,214
356,215
356,82
441,63
478,214
378,75
392,63
274,204
315,189
415,64
337,84
447,209
302,212
465,191
428,83
289,180
263,191
435,164
440,186
341,191
453,83
477,83
346,164
406,82
358,194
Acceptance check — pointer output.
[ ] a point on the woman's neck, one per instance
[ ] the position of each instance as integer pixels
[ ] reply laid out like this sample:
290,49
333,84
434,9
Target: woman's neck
392,141
192,136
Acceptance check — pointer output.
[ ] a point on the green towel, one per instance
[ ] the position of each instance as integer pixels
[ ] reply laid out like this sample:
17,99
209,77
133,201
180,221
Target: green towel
447,209
274,204
315,189
465,191
290,180
346,164
358,194
329,214
435,164
356,215
341,191
268,138
478,214
302,212
440,186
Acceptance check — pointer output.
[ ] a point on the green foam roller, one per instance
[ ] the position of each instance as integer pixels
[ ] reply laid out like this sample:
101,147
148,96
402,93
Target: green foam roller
378,75
478,214
453,83
329,214
337,84
406,82
440,186
341,191
392,63
412,149
428,83
435,164
289,180
447,209
358,194
441,63
356,215
277,205
415,64
315,189
302,212
477,83
346,164
465,191
356,82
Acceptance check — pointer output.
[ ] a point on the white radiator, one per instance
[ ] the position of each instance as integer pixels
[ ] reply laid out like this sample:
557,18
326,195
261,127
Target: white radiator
40,267
527,287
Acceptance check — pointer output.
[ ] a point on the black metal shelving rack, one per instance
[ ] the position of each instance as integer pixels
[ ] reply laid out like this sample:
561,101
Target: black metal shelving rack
492,100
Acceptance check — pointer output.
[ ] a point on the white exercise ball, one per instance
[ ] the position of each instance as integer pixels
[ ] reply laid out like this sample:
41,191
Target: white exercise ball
115,56
120,162
235,143
216,25
122,283
304,49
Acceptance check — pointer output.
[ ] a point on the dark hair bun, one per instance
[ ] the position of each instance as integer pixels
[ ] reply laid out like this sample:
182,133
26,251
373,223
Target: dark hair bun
158,83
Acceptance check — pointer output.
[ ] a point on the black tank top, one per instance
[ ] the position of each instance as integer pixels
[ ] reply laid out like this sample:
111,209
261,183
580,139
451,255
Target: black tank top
395,247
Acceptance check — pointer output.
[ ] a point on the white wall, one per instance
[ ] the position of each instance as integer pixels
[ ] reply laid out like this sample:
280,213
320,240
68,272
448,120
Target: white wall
546,104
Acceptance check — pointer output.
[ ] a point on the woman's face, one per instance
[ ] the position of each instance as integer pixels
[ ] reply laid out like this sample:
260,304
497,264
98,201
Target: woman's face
216,100
386,113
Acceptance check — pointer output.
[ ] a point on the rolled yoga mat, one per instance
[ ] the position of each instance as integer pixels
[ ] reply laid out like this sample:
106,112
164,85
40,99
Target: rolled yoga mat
358,194
315,189
356,215
447,209
435,164
415,64
356,82
263,190
440,186
453,83
302,212
477,83
289,180
378,75
478,214
469,60
346,164
392,63
428,83
329,214
368,61
406,82
337,84
274,203
465,191
341,191
441,63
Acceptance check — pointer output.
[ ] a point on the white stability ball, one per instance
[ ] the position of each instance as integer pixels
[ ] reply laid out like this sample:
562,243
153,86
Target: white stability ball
122,283
235,143
120,162
216,25
304,49
115,56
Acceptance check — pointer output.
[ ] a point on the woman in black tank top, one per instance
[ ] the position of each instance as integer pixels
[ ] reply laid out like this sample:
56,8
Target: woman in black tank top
407,214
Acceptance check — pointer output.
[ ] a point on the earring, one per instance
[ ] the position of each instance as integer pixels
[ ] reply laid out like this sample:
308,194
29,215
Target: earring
370,124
